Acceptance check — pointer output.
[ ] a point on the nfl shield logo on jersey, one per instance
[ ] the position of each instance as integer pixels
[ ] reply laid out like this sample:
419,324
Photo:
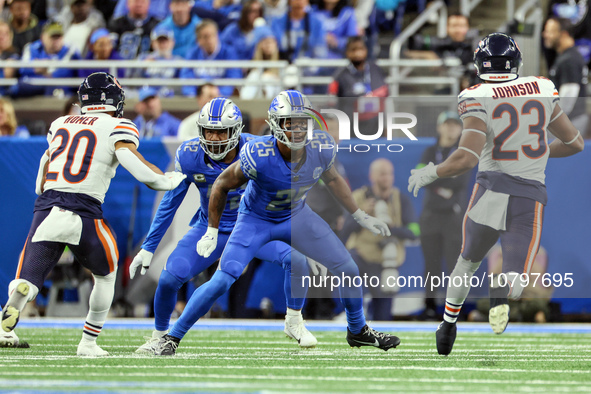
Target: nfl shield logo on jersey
317,172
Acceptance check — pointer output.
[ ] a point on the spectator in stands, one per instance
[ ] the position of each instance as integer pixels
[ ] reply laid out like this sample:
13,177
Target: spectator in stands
376,255
568,72
266,49
152,121
133,30
240,35
7,51
25,26
162,45
8,123
300,32
577,12
156,8
79,19
361,78
443,209
183,24
228,8
188,127
49,47
101,48
456,44
210,48
275,9
339,24
72,106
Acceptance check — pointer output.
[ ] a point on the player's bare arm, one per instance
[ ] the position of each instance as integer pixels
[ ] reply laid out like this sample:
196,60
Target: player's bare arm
231,178
569,140
340,189
342,192
462,160
143,170
467,155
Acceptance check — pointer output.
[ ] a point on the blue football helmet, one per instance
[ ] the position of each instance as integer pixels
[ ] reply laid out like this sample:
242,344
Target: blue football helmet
292,105
101,92
219,114
498,58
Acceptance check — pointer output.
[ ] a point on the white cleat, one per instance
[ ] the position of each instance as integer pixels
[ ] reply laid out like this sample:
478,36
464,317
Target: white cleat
90,349
498,317
9,339
295,329
151,343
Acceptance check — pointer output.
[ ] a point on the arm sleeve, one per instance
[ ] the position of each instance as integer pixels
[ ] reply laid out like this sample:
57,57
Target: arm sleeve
141,171
164,215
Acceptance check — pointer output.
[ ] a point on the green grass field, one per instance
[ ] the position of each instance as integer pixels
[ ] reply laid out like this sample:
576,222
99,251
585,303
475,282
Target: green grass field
256,361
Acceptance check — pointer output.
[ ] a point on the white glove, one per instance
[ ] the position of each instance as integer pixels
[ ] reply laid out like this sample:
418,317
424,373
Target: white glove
422,177
374,225
143,259
175,178
317,268
208,242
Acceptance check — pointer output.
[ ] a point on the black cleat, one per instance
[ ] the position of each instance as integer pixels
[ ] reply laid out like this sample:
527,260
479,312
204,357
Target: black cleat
445,337
167,346
370,337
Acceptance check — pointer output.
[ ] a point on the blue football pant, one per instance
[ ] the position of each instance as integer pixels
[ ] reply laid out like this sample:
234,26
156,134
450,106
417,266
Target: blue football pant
307,233
184,263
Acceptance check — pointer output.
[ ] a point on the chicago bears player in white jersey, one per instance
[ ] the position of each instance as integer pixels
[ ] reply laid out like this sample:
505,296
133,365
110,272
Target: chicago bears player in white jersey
505,132
203,159
279,170
74,175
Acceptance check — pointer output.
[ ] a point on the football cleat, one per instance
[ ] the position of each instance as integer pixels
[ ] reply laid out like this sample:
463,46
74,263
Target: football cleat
295,329
498,317
10,339
370,337
151,343
167,346
445,337
10,314
90,349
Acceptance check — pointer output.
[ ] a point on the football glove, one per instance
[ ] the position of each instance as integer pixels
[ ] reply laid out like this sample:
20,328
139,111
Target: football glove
374,225
142,259
421,178
208,242
175,178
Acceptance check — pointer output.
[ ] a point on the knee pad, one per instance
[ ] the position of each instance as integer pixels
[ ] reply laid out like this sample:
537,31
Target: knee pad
465,267
169,281
33,290
516,285
232,268
179,267
103,292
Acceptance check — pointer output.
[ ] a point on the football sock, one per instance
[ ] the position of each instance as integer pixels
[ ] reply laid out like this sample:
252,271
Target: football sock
293,316
100,303
165,299
18,300
355,317
295,296
458,288
201,301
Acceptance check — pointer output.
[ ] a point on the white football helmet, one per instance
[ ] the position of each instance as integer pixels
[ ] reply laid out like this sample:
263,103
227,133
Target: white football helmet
219,114
289,104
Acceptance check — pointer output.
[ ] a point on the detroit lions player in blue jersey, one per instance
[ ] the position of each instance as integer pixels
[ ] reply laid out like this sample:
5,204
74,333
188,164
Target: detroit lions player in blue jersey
280,169
203,159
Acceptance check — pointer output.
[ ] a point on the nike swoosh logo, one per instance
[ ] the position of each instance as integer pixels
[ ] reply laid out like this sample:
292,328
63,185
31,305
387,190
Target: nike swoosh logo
376,343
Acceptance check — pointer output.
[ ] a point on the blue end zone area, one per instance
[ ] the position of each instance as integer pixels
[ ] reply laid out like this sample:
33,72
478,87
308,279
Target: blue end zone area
277,325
